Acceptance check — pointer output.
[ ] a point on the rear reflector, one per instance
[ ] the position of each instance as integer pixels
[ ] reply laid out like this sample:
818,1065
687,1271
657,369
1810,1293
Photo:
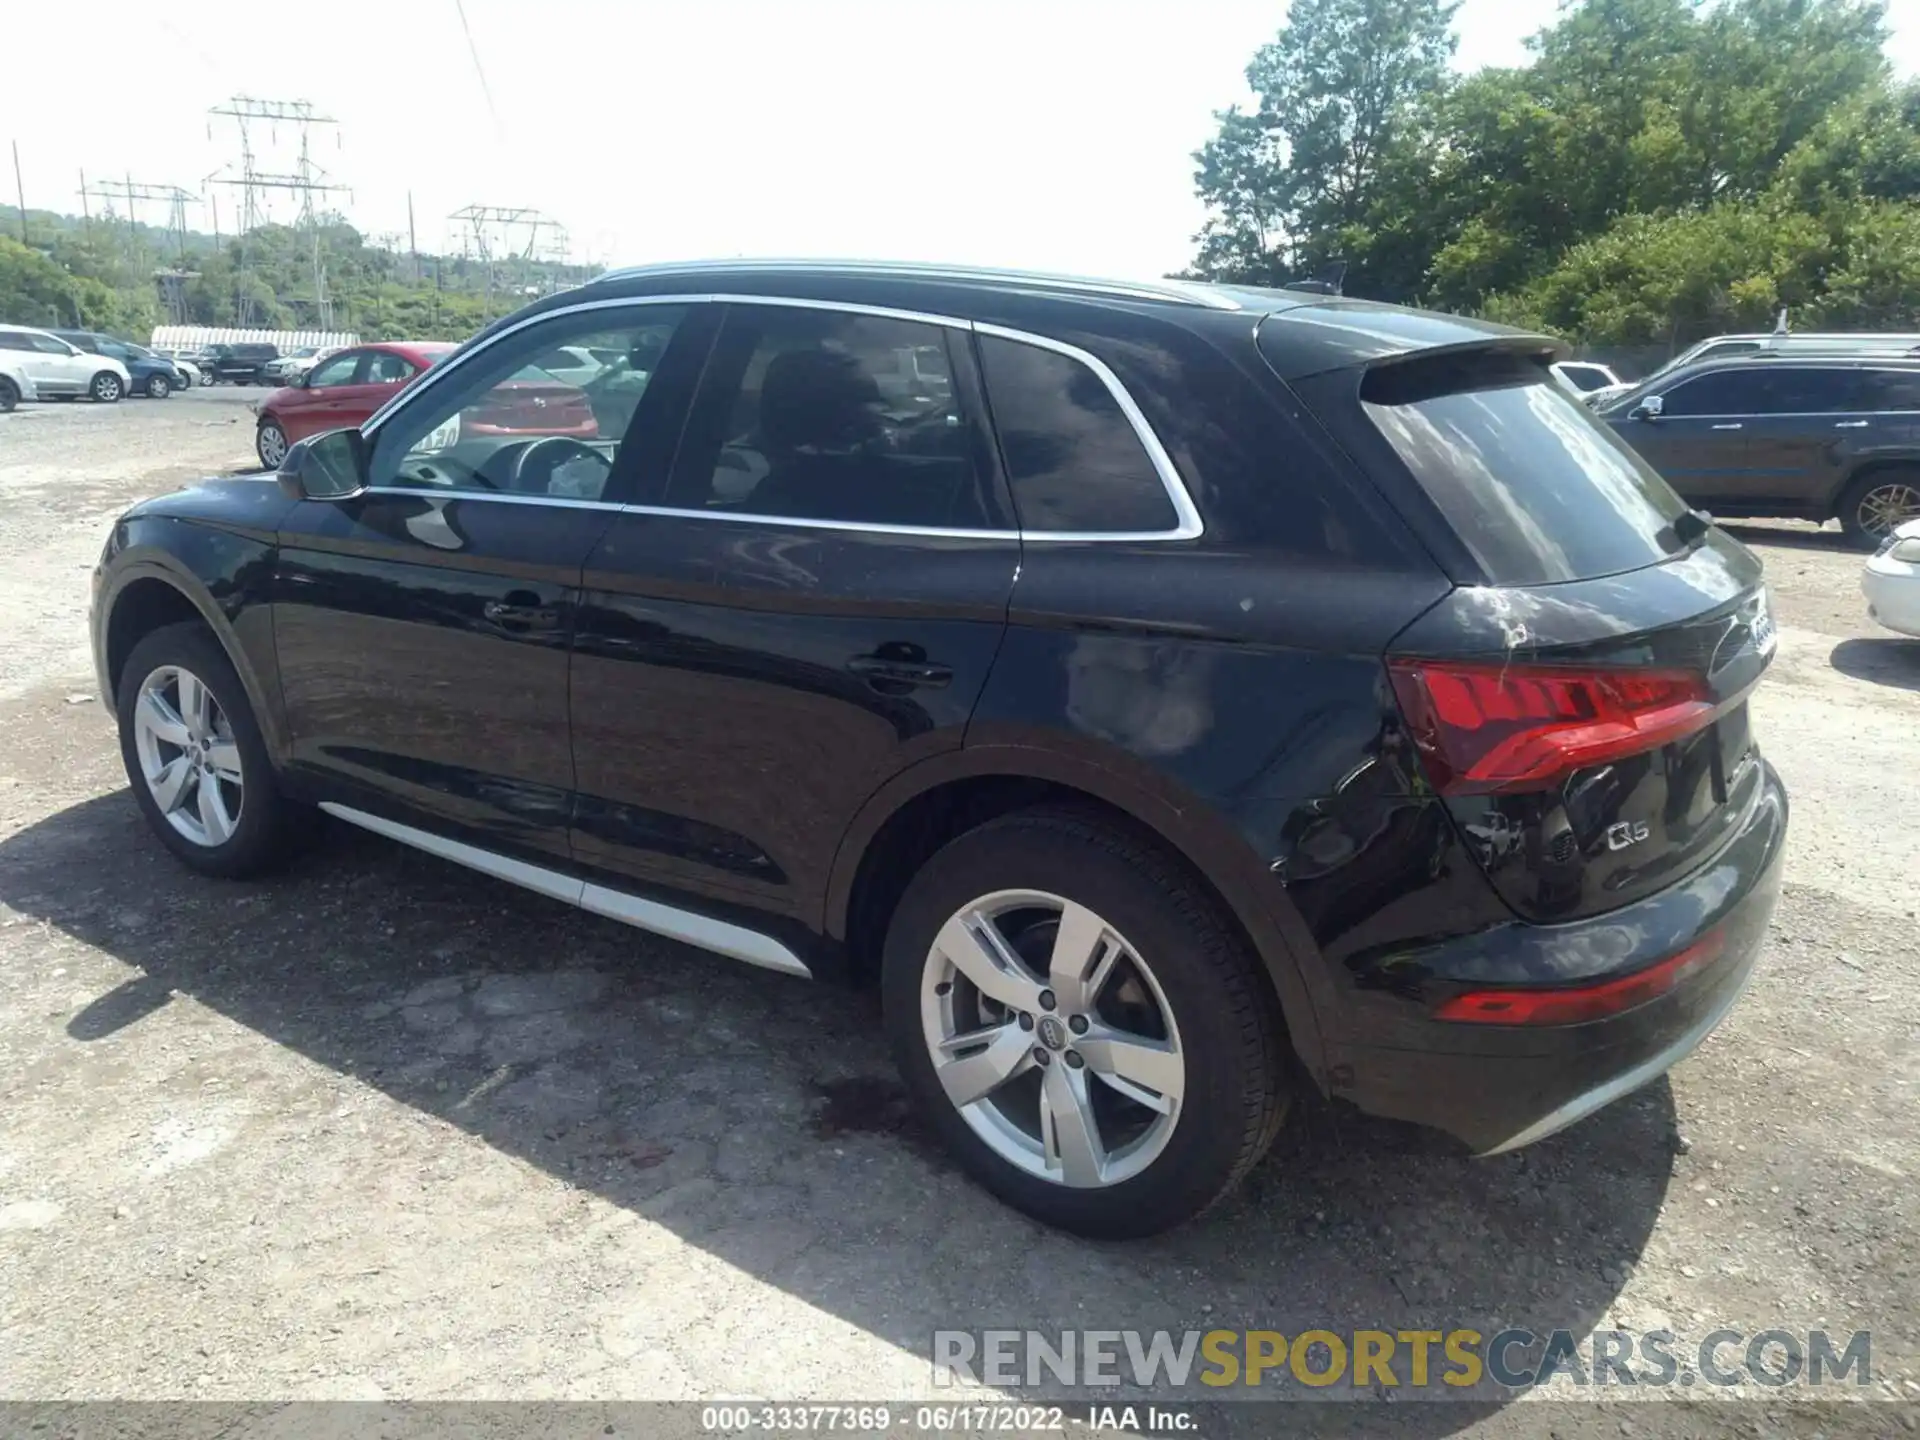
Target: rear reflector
1588,1002
1484,728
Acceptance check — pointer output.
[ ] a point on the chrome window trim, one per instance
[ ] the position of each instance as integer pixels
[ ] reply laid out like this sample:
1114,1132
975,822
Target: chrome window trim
1188,524
490,497
737,942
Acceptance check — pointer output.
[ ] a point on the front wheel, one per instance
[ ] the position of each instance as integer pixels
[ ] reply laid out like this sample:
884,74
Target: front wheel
1084,1029
195,757
270,443
1877,504
106,388
9,395
158,387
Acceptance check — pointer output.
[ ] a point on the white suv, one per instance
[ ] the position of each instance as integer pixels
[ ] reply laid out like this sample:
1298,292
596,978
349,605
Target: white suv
59,370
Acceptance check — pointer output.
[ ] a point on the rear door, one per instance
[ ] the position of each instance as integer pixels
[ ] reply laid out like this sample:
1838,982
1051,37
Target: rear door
1698,441
1579,701
812,606
423,624
1811,421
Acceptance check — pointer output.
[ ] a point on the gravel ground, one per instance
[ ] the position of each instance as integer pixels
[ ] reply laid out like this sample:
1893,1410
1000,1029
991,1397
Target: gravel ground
382,1129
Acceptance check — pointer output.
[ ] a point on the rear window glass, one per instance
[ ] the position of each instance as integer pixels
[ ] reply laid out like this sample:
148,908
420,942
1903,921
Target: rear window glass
1536,489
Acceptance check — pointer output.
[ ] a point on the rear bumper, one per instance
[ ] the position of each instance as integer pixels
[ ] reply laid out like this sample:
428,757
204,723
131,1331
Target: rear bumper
1500,1087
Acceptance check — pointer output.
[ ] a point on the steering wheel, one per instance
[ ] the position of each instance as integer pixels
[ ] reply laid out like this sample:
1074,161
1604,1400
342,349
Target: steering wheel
555,450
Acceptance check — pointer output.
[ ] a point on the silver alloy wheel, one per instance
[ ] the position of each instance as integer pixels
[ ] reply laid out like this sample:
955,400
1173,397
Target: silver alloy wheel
158,388
272,446
188,756
1885,508
1018,1033
106,387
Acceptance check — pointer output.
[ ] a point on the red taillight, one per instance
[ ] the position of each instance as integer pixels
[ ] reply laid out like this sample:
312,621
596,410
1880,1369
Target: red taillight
1589,1002
1488,727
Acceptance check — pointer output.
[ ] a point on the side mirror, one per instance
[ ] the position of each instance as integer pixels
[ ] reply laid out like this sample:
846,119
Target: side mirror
327,467
1647,409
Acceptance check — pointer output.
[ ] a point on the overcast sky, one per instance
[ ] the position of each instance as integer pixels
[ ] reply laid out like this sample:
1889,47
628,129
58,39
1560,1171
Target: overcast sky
1050,133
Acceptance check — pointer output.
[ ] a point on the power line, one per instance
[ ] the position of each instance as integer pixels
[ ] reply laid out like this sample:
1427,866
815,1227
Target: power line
478,69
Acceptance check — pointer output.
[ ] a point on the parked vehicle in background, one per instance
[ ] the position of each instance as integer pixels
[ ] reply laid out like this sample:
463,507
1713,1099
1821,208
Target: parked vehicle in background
1583,377
241,363
341,391
289,363
147,373
15,384
1019,687
1811,438
189,368
1892,581
61,370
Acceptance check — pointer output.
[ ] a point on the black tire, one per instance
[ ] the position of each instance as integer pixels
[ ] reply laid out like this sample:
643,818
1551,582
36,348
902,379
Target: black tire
9,395
158,387
1227,1017
264,439
106,388
1864,521
269,825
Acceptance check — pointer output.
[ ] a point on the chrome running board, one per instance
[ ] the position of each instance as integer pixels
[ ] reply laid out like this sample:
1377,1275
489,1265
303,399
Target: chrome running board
736,942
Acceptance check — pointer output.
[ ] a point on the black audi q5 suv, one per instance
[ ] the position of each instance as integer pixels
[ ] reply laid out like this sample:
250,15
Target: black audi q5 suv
1170,696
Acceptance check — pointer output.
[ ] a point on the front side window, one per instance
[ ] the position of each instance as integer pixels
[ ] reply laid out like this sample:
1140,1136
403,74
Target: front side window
501,425
1790,390
1073,458
52,345
337,371
831,416
1890,390
1728,392
384,368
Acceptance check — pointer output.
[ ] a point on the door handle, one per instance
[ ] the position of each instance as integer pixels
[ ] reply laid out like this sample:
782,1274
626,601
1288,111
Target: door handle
1735,426
895,670
521,610
1850,425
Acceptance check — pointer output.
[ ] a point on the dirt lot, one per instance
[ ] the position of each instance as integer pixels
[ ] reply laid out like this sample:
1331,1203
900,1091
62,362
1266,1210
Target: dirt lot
384,1129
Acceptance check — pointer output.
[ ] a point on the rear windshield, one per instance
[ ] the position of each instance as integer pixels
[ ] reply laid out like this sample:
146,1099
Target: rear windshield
1537,490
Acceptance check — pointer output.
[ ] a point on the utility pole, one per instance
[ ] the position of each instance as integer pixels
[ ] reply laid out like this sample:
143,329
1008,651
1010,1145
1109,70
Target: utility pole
413,242
20,189
308,181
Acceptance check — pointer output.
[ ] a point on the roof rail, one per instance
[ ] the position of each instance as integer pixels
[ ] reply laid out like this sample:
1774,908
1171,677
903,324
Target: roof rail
1180,291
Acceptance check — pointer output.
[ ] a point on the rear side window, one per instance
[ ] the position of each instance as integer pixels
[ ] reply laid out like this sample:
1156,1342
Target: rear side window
1535,488
1073,458
806,414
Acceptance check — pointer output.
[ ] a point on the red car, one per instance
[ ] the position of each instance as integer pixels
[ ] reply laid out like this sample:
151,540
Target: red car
344,390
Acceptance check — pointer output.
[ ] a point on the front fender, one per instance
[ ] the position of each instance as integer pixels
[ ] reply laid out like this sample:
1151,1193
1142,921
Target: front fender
223,575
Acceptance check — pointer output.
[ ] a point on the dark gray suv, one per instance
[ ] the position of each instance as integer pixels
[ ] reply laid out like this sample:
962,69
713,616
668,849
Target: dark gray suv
1812,439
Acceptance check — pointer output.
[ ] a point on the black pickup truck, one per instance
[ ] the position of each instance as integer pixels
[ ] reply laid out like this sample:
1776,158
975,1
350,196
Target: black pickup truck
239,364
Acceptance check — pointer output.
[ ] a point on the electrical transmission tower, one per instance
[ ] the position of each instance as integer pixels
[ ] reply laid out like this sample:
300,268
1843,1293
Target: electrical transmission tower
490,233
171,280
307,180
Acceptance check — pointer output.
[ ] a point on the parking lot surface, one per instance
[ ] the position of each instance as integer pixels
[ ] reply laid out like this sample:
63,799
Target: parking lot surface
384,1128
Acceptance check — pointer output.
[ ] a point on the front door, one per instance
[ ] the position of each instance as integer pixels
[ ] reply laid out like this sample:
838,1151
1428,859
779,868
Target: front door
1699,440
338,395
423,623
1811,422
814,607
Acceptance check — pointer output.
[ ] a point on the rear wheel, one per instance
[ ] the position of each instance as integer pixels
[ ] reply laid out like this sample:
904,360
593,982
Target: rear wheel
196,759
1877,504
270,443
1083,1028
106,388
158,387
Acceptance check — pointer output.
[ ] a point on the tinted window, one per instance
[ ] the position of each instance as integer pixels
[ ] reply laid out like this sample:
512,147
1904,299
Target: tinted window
1788,390
1074,460
337,371
814,414
14,340
1890,390
1724,392
500,425
1536,489
1584,377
